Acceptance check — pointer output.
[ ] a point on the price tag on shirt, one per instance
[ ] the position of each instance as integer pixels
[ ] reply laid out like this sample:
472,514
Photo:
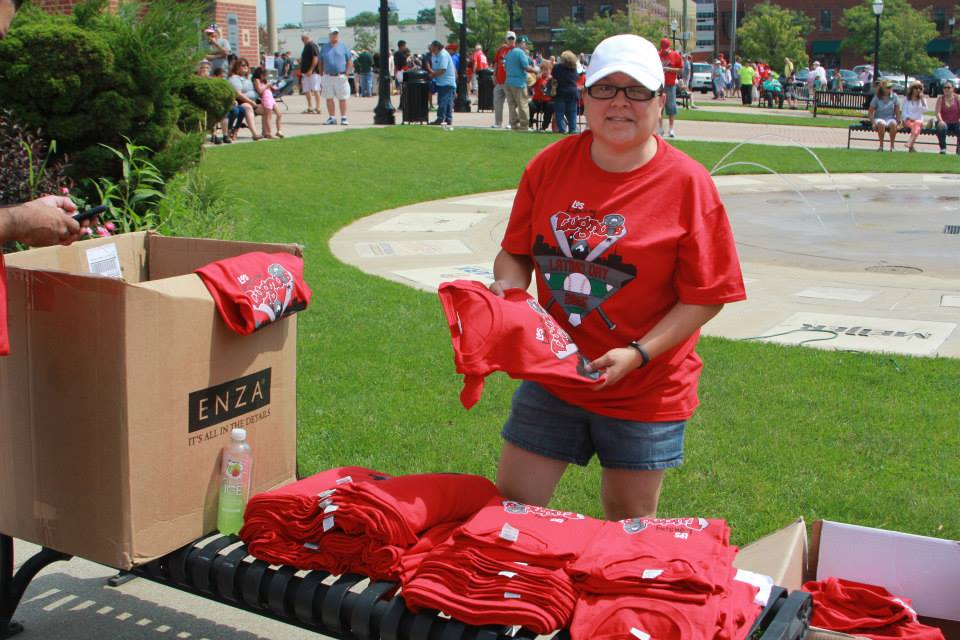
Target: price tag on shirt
509,533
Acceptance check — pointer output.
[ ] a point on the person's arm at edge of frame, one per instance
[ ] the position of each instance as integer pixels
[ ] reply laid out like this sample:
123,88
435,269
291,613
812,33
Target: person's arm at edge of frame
676,326
511,271
45,221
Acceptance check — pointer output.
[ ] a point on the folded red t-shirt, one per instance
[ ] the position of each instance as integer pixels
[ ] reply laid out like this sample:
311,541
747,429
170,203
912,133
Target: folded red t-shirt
644,556
513,334
256,288
4,335
865,610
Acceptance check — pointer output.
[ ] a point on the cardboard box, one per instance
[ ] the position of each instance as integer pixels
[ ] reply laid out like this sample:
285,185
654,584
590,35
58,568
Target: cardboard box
119,395
926,570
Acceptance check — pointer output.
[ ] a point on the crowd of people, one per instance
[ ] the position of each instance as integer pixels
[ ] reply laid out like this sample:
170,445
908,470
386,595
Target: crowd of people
532,91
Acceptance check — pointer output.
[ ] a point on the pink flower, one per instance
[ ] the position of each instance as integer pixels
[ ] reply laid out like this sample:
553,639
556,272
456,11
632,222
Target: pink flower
103,233
64,190
110,226
86,231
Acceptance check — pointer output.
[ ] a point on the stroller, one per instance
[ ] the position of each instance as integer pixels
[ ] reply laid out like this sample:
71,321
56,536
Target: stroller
284,87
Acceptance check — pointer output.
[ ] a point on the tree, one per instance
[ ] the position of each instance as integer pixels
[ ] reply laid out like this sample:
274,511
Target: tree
427,16
371,19
584,37
486,24
291,25
366,39
904,34
771,33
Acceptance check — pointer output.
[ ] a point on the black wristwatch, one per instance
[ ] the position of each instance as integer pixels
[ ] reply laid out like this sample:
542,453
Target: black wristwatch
643,352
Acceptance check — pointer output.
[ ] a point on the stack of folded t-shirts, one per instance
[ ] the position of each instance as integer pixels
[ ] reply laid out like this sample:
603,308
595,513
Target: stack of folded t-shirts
662,578
505,566
866,610
356,520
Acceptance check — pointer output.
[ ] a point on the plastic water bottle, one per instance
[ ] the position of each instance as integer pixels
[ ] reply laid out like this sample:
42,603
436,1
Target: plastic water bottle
235,473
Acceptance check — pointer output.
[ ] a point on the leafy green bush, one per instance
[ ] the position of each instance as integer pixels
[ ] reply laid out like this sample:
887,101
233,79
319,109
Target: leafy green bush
99,78
212,96
197,205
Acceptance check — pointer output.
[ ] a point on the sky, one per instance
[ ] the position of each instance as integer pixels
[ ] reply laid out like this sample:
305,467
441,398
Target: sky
288,11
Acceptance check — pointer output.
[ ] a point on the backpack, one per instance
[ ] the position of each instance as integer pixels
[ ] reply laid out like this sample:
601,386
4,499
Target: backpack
550,90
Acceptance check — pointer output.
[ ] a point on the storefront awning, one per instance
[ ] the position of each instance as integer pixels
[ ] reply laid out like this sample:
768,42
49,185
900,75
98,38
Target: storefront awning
826,46
939,45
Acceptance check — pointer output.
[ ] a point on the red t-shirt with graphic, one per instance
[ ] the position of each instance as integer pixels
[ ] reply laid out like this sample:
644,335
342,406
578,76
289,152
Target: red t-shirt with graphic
4,335
614,252
670,58
513,334
256,288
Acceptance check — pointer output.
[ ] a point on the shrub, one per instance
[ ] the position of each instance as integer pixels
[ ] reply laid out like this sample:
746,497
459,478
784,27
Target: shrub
100,78
197,205
27,170
212,96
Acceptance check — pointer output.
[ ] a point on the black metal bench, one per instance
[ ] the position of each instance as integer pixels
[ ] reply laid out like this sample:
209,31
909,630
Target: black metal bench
863,126
219,568
840,100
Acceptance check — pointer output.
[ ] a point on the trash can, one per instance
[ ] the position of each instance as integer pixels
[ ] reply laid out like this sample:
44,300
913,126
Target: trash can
415,98
485,90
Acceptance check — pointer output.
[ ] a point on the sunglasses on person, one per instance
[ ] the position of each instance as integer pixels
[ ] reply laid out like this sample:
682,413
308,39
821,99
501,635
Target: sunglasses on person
636,93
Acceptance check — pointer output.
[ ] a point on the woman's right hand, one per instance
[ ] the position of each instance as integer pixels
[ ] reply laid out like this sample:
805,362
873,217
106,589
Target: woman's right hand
499,287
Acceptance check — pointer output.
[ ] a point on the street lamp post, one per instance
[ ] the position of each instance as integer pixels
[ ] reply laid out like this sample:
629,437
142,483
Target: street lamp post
673,32
383,113
462,105
877,7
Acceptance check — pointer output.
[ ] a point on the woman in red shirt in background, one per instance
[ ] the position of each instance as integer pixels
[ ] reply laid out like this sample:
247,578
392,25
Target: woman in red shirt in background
632,253
542,103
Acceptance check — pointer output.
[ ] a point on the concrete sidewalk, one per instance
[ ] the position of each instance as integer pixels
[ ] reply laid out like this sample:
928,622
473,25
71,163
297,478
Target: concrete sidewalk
360,115
863,256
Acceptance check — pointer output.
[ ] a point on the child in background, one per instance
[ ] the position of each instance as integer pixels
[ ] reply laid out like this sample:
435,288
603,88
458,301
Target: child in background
267,102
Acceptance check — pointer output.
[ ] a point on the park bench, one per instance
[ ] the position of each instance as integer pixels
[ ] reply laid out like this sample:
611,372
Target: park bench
840,100
348,607
928,135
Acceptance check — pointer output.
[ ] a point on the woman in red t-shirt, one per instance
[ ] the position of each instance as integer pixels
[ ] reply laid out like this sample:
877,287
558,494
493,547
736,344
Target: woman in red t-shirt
541,103
633,253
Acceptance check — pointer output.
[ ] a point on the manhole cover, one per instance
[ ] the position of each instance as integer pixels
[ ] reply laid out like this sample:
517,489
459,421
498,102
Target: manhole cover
952,229
784,201
893,268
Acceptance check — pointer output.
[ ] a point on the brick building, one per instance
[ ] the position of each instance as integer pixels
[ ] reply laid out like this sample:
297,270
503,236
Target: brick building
237,18
538,19
823,42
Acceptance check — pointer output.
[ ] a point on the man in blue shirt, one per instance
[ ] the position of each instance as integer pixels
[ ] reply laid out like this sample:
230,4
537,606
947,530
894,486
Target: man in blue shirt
445,77
517,65
336,63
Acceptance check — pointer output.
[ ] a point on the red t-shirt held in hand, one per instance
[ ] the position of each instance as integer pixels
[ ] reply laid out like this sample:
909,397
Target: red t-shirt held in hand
513,334
256,288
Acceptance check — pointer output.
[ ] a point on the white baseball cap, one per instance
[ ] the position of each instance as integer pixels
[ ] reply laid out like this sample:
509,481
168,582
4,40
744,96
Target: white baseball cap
335,30
629,54
511,35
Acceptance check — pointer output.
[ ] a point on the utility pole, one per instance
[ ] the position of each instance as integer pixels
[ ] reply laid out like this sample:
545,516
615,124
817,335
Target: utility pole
271,26
733,33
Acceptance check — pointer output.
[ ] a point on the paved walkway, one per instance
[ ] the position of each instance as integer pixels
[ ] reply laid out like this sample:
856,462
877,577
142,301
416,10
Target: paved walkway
863,256
360,115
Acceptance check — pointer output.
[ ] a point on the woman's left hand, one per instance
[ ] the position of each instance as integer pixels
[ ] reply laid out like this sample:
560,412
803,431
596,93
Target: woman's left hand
615,364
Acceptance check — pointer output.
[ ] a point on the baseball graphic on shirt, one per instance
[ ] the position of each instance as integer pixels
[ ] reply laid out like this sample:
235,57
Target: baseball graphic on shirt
577,282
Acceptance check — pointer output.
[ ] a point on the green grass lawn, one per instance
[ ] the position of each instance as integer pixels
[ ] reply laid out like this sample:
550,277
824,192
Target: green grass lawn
713,115
781,432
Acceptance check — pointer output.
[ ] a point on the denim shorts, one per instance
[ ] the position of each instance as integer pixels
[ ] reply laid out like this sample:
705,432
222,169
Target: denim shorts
545,425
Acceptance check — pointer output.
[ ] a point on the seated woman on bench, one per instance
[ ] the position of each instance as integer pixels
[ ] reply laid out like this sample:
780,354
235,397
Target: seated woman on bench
884,113
948,116
913,107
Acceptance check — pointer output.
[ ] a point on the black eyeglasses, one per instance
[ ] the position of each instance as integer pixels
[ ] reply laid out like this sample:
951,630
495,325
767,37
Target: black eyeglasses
636,93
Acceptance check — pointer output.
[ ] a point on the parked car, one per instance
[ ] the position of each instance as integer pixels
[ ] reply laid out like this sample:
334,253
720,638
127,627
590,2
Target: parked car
896,80
933,83
700,77
851,80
